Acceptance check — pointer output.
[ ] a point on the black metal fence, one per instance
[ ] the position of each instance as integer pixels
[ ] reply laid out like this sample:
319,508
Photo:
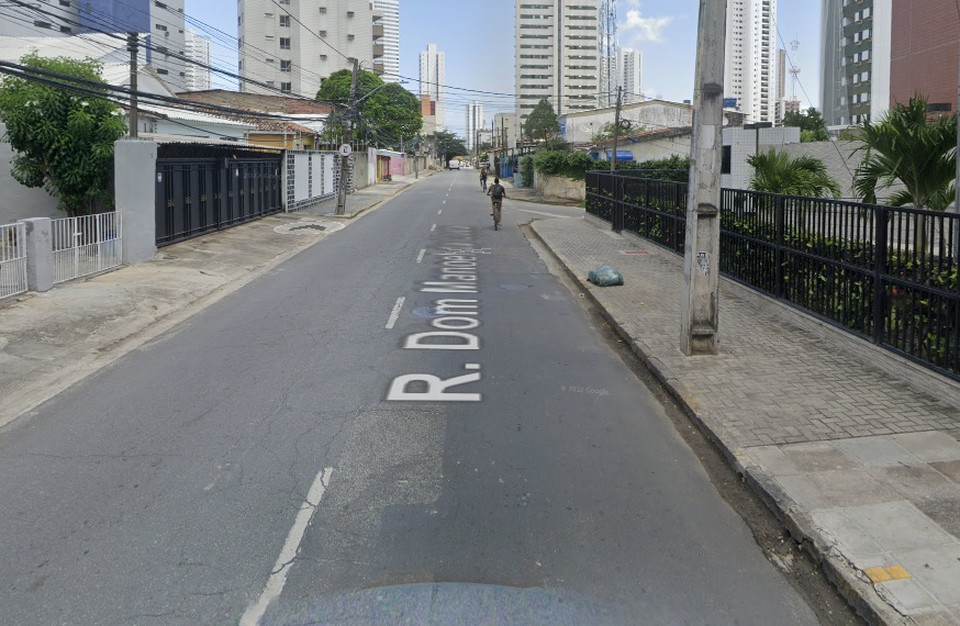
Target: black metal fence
887,274
197,195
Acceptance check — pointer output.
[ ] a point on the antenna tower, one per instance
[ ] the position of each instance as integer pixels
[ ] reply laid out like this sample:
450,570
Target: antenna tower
609,48
794,69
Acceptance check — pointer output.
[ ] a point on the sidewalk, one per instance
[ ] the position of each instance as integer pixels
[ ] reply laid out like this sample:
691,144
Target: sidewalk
52,340
855,449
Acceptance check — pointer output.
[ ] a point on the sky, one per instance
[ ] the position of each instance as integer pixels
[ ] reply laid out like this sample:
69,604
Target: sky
477,38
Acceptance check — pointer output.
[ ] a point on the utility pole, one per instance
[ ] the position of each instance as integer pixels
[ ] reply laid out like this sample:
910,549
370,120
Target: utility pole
701,262
956,184
416,159
134,117
616,129
348,131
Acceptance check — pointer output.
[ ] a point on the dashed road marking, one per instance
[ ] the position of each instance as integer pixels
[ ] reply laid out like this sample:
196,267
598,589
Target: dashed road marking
433,228
278,577
395,313
420,256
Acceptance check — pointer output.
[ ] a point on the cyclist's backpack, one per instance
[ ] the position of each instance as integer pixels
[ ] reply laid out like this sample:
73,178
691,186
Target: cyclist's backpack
496,192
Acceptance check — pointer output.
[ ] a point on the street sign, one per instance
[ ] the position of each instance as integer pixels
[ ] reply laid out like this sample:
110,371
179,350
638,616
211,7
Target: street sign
346,150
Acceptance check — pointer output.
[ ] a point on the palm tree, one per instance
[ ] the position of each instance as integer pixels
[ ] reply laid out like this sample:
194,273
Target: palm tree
907,147
777,172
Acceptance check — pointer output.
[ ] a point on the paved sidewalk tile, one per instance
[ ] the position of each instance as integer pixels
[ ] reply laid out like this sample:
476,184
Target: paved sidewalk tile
793,385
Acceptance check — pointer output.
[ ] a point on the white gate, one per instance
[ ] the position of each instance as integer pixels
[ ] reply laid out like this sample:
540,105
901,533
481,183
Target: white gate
13,260
85,245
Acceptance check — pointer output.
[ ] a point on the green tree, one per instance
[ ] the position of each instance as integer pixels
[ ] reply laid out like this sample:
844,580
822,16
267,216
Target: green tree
385,111
810,122
775,171
63,139
542,123
907,147
447,145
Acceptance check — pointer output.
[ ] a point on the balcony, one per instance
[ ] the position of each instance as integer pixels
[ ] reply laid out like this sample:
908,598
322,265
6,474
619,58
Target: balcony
377,50
377,31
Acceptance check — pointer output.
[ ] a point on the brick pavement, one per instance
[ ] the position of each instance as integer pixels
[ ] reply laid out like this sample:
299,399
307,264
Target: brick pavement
855,449
788,384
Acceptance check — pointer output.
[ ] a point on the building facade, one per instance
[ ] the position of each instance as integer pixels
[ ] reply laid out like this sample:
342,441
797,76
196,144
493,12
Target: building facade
750,71
433,75
390,21
290,47
924,53
160,24
474,125
197,49
856,57
557,56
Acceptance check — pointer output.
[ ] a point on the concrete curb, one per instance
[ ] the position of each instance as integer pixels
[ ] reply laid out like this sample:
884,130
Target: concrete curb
378,203
855,590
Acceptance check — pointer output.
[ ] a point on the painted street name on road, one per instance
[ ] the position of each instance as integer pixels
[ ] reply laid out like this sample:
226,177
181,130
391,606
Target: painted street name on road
452,319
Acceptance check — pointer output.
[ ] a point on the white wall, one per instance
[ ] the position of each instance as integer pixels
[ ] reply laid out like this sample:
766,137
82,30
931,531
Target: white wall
16,201
745,142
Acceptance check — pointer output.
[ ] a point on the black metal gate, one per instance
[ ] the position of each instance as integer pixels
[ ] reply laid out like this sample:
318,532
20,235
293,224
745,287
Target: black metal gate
199,194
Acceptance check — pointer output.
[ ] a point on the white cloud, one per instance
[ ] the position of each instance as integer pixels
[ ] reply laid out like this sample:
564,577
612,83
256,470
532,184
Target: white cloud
645,28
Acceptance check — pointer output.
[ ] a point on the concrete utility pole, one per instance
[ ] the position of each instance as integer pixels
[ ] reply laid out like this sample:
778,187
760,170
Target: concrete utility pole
956,182
616,129
348,132
701,262
134,117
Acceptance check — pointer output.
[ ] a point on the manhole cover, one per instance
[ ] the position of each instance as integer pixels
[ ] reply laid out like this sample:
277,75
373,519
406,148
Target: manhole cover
426,312
514,287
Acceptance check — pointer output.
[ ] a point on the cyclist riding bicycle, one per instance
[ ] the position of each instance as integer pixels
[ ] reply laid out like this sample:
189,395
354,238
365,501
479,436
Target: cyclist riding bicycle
497,193
483,178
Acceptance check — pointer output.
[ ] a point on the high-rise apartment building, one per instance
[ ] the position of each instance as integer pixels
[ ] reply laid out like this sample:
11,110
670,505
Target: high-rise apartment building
197,48
433,75
474,124
630,73
750,71
856,55
160,25
291,46
557,56
923,57
390,40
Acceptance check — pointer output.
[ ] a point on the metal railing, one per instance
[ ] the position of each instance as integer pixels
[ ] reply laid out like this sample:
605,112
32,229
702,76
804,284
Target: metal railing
887,274
85,245
13,260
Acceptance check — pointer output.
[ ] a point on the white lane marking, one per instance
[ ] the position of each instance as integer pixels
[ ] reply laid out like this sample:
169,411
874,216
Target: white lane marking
440,212
563,217
420,256
433,228
395,313
278,578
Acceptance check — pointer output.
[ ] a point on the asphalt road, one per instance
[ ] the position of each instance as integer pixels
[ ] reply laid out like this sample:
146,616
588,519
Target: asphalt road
411,422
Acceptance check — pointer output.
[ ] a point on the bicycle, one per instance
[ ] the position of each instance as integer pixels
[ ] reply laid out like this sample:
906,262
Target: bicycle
497,210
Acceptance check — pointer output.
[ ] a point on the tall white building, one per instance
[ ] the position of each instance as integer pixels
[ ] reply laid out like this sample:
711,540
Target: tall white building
750,71
160,25
433,75
292,46
390,21
474,124
630,72
557,55
197,49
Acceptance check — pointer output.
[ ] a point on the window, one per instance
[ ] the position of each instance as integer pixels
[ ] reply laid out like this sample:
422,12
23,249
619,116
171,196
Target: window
161,27
323,57
323,9
160,70
64,3
285,66
286,87
41,24
351,37
66,29
285,21
350,13
322,33
284,43
725,159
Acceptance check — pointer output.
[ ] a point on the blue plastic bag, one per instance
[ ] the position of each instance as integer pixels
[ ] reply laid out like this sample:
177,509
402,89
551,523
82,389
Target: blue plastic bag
605,276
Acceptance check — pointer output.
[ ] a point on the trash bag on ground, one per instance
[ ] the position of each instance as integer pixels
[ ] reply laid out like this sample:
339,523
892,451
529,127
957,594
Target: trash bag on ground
605,276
